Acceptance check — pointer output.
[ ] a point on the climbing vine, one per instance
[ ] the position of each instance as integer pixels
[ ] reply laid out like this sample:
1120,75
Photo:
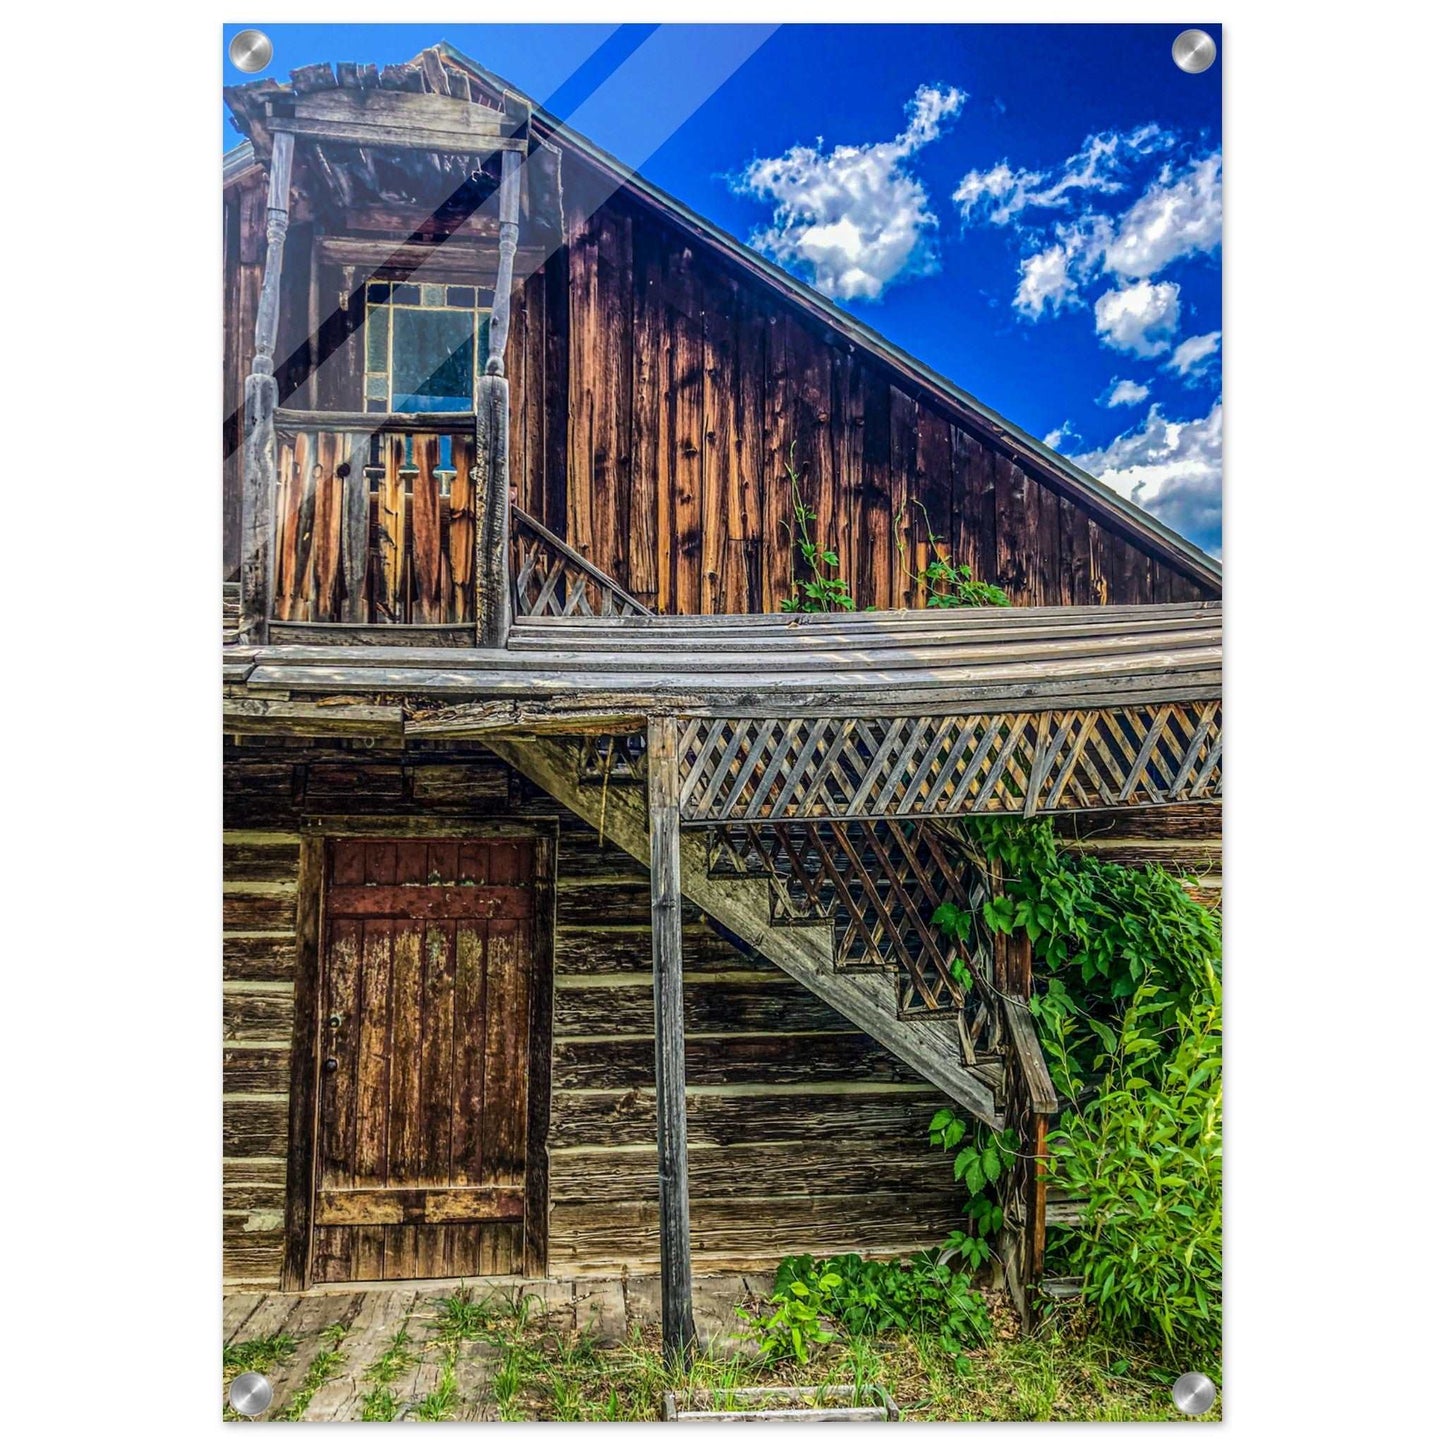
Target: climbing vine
944,581
1126,1002
821,588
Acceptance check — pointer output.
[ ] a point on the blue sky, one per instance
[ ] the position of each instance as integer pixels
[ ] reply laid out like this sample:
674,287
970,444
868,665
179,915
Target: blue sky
1033,210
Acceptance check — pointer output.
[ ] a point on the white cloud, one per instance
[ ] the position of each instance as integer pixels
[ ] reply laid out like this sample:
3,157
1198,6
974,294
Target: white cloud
1001,192
853,219
1045,283
1191,357
1140,318
1049,279
1062,437
1174,469
1123,392
1180,214
1173,218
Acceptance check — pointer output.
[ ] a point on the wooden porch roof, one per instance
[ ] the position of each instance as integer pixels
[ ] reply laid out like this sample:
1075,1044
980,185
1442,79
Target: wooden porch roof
882,664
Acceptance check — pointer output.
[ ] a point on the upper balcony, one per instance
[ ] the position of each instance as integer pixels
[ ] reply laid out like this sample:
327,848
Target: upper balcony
374,239
376,536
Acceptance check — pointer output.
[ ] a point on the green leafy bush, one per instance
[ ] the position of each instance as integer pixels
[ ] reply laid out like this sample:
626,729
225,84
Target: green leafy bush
1106,924
1146,1154
796,1325
1126,1001
922,1295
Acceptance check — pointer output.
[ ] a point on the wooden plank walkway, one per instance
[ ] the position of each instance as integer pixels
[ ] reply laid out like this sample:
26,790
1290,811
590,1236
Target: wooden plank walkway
609,1309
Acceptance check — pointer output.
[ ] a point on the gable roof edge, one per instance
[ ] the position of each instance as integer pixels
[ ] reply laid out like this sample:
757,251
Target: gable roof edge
1066,475
1070,476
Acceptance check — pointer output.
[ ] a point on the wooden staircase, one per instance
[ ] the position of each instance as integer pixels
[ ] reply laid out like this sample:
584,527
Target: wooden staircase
838,934
843,908
742,907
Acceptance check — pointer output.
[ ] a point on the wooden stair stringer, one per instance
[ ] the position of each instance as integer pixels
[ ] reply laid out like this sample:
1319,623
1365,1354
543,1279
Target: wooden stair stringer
741,906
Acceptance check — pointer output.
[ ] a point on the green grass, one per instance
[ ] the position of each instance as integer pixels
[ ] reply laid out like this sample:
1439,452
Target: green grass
443,1400
262,1355
1060,1373
323,1368
538,1372
381,1402
461,1317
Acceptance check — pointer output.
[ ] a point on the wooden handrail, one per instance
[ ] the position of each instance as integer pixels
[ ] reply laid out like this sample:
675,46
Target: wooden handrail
1029,1103
424,423
627,603
1023,1040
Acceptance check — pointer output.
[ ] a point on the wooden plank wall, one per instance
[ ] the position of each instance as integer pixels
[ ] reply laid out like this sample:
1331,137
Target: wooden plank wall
804,1134
658,391
691,383
1185,840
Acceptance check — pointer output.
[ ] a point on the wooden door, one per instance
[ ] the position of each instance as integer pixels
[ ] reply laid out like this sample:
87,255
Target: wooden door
427,966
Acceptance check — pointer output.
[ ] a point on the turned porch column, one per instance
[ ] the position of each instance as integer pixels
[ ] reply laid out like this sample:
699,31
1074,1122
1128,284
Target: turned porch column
492,477
678,1332
258,471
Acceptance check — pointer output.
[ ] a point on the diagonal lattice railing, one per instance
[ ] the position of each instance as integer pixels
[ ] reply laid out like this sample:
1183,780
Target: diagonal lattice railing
880,884
760,769
550,579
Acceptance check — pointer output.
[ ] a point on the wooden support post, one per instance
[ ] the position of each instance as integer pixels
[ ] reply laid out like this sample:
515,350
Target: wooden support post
678,1332
492,475
258,469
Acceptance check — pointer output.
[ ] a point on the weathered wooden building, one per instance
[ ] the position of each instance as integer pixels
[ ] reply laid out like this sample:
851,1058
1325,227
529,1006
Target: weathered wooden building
537,811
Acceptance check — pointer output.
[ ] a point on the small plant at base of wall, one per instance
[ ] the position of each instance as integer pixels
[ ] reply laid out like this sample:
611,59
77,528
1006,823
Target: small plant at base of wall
924,1295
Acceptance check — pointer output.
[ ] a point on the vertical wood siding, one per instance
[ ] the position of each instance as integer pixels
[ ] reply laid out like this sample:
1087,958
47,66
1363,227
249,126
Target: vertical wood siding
658,393
691,385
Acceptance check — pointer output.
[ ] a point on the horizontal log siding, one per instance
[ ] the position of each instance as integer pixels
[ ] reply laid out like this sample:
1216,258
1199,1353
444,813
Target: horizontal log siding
1185,840
804,1134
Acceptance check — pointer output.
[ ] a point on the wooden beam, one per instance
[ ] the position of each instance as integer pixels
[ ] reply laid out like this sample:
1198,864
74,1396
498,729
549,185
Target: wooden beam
258,465
296,719
413,121
492,474
678,1332
446,260
431,423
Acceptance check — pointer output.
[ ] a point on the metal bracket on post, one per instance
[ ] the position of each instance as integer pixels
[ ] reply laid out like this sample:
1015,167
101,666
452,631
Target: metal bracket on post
679,1334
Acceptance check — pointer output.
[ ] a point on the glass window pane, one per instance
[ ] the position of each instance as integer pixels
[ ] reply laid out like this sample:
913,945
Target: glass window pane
433,295
462,296
376,339
432,361
405,294
377,292
376,388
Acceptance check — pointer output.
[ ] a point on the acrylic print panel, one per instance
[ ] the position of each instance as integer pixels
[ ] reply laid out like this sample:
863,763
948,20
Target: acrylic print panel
723,730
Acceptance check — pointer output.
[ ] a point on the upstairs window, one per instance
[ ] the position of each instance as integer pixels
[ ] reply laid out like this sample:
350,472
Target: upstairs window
426,344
